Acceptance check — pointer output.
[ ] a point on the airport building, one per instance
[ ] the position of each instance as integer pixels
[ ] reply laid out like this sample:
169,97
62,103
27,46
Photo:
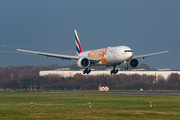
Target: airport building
69,73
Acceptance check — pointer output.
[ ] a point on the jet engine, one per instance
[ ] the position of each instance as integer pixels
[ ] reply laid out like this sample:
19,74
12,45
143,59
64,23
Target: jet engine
83,63
133,63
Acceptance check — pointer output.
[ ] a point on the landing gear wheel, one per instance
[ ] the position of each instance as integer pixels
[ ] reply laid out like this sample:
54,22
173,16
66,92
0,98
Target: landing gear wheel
87,71
114,71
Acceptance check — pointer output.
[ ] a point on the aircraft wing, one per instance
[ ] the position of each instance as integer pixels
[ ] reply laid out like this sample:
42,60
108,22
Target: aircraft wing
63,57
148,55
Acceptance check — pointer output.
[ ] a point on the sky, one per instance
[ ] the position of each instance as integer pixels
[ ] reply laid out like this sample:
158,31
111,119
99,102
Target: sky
146,26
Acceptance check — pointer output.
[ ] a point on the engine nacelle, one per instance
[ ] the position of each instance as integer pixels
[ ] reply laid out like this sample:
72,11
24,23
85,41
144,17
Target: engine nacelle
83,63
133,63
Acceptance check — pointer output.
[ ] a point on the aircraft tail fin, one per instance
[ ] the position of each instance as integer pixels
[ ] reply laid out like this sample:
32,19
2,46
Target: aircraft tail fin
77,42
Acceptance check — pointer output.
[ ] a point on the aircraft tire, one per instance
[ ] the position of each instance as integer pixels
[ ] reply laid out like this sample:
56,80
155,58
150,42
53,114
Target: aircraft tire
113,71
89,71
116,71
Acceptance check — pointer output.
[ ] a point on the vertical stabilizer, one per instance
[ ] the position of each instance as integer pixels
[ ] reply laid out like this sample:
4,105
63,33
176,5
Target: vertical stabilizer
78,45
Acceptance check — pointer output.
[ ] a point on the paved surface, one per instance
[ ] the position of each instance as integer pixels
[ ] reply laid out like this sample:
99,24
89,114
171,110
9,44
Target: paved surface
130,93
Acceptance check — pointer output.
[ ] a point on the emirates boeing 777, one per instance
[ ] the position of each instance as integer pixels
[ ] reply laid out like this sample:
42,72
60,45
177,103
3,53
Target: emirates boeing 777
110,56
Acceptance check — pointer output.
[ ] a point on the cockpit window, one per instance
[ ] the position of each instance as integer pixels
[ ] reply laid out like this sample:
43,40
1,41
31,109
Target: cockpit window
128,51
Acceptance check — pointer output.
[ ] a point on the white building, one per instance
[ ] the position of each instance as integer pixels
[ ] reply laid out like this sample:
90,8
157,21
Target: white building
68,73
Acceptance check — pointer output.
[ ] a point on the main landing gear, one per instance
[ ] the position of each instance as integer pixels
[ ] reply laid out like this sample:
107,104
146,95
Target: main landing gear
114,70
87,71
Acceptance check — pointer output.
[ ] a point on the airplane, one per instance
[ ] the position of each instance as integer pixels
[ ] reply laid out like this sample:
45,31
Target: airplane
110,56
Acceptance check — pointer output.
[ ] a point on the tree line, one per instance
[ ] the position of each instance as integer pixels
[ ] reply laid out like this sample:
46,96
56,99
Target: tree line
26,78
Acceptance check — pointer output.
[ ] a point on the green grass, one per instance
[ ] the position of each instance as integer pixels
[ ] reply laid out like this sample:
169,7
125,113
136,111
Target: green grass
17,105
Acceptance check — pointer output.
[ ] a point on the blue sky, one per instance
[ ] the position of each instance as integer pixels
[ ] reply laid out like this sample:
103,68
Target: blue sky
146,26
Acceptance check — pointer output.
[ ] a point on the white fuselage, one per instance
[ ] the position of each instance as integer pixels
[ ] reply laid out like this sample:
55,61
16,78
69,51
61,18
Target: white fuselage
110,55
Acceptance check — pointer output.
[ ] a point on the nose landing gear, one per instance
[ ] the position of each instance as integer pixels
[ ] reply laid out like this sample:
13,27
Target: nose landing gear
126,67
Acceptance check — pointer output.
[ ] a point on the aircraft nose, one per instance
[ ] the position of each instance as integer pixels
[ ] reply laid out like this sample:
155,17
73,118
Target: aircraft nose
130,55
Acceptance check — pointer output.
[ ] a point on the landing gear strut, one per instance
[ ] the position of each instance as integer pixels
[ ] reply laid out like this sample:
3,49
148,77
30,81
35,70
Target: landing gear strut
114,70
126,67
87,71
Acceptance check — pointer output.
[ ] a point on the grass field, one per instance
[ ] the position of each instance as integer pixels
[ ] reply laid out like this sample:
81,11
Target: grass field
17,105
